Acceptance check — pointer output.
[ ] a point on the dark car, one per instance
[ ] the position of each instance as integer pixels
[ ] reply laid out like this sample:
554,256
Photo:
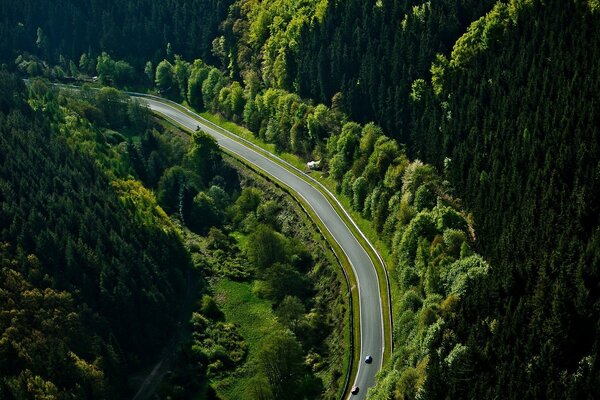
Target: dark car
369,359
354,390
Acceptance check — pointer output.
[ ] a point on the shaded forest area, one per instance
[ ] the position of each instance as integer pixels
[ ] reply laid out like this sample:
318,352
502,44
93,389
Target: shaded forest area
501,99
73,254
137,31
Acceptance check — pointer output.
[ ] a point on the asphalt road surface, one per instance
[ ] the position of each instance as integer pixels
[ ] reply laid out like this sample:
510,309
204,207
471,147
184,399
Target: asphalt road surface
371,318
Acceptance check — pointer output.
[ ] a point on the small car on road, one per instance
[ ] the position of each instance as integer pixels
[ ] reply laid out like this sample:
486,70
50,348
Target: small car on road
354,390
369,359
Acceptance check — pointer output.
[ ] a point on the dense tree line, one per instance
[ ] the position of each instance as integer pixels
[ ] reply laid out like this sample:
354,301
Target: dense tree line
505,113
372,52
82,250
136,30
520,130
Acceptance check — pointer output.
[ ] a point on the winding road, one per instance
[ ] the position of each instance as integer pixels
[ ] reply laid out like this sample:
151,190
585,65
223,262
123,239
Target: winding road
371,316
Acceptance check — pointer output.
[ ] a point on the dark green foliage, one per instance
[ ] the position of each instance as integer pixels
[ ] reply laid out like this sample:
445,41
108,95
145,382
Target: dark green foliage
131,30
373,51
505,113
280,363
290,311
95,241
176,189
203,157
267,247
524,150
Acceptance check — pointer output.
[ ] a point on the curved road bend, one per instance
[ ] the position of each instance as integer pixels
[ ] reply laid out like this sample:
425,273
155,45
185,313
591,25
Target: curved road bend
371,319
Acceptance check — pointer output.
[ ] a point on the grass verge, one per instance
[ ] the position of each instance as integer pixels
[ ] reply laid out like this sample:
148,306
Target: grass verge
255,319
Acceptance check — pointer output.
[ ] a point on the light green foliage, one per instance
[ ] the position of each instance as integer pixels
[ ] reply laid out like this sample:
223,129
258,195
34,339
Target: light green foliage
164,75
216,345
465,274
259,388
384,153
359,190
198,73
237,101
321,123
370,134
347,180
417,174
181,74
148,70
224,100
422,225
395,172
142,203
459,362
465,250
425,198
251,116
73,71
434,335
454,239
438,73
486,31
268,212
418,88
408,384
273,29
211,88
112,72
343,149
86,64
348,141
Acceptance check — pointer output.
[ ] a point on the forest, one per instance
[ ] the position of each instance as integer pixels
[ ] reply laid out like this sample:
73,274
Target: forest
105,208
466,132
75,246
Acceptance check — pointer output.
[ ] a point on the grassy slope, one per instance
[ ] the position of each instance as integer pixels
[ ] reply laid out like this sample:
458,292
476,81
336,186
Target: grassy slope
255,319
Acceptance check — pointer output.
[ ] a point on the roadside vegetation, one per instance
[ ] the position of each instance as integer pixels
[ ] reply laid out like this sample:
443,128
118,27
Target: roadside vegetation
464,131
212,232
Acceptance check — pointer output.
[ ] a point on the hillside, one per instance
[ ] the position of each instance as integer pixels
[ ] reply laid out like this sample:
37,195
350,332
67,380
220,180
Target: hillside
466,132
90,287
